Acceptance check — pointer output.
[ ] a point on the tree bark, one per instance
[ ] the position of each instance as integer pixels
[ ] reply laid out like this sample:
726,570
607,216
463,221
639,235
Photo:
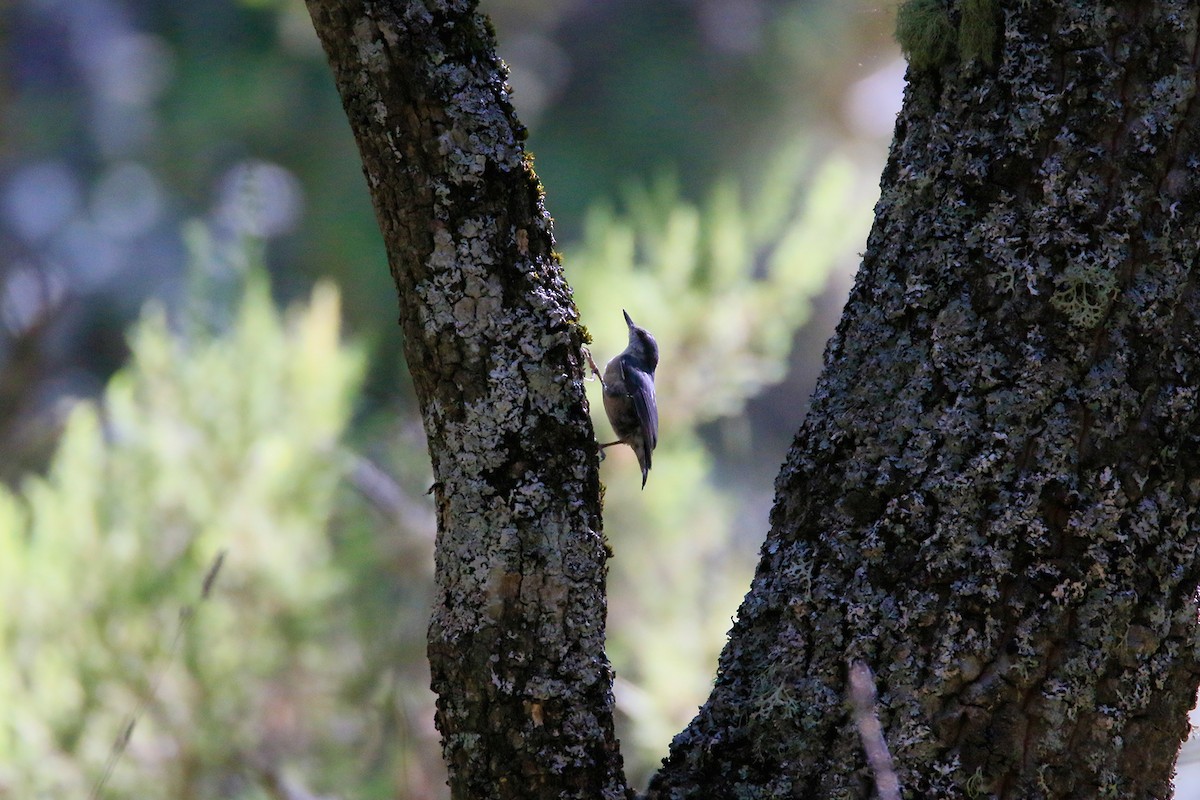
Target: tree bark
993,499
492,339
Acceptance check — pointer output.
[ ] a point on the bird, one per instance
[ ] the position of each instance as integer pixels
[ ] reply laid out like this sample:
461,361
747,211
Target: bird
629,401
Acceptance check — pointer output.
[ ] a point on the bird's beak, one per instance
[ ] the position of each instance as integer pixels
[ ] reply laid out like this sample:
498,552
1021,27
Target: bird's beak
628,321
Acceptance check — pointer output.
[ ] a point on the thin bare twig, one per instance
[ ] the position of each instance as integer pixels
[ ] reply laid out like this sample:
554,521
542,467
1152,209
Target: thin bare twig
866,717
385,493
186,614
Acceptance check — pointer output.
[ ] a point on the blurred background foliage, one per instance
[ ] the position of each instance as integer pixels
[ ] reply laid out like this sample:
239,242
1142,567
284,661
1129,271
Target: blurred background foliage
174,177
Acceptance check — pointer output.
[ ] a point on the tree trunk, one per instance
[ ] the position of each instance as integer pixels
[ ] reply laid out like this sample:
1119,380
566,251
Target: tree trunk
993,500
516,642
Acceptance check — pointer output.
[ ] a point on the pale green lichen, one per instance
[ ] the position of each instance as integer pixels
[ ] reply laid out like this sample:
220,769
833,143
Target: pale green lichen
977,29
925,33
930,35
977,784
1085,291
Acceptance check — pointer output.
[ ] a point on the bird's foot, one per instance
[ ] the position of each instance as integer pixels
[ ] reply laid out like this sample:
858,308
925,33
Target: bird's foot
591,363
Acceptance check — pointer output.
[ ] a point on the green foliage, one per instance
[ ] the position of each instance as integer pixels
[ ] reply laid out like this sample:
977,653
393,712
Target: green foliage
201,444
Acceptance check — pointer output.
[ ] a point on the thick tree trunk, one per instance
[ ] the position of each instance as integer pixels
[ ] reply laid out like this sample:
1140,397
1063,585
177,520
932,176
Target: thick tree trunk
516,643
993,501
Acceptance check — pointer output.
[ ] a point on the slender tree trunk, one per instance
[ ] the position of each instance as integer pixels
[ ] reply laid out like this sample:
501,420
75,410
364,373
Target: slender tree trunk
993,501
516,642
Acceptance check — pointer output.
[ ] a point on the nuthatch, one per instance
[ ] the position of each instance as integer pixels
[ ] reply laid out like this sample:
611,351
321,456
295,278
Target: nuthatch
628,383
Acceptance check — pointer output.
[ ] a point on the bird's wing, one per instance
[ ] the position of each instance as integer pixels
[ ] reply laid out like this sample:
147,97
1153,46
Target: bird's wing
641,389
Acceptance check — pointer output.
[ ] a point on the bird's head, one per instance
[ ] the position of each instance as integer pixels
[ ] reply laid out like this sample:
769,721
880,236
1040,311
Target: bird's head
641,345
